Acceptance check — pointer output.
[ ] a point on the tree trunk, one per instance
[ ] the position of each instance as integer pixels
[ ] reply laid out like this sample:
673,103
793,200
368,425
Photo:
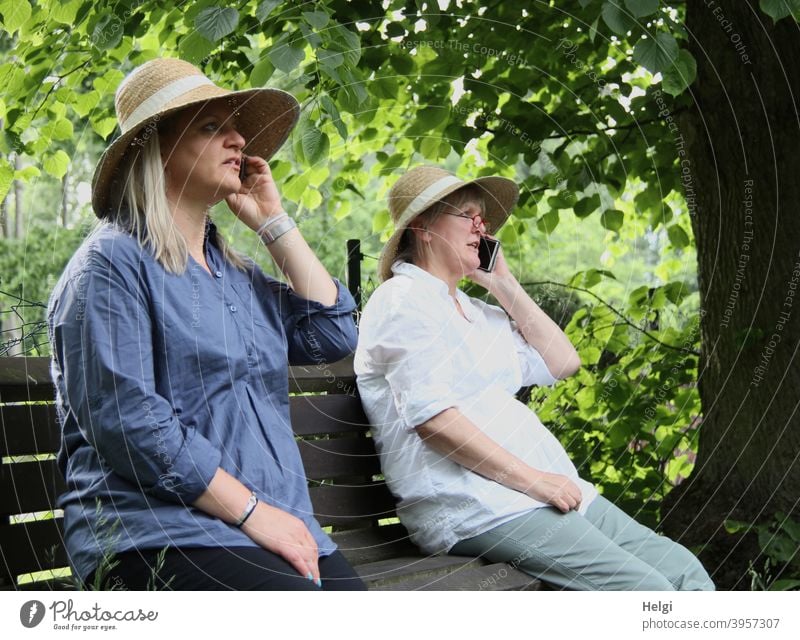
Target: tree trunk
19,207
743,152
64,200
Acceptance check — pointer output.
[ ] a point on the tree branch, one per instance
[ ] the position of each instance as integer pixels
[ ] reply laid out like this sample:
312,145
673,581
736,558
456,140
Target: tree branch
614,310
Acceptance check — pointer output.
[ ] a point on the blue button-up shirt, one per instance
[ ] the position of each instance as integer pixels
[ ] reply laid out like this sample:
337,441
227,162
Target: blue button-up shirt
161,379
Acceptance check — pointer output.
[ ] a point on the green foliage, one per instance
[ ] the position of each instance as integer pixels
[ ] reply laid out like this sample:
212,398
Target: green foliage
779,541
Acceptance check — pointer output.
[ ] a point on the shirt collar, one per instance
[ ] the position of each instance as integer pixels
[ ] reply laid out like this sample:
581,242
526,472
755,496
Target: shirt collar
402,268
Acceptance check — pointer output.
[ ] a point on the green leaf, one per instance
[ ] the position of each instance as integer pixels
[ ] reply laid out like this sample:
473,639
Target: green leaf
403,64
26,174
107,33
105,126
286,57
64,12
15,14
612,219
641,8
380,221
86,102
6,177
194,47
585,206
329,59
429,147
315,144
265,8
548,222
778,9
330,108
262,71
616,17
317,19
56,164
295,187
677,236
680,75
60,129
216,22
561,201
394,29
656,54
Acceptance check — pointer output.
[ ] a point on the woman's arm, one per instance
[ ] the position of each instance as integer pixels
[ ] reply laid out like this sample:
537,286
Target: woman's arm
454,436
271,528
258,201
536,326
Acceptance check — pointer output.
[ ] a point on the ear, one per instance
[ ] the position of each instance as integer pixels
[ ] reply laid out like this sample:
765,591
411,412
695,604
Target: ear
421,235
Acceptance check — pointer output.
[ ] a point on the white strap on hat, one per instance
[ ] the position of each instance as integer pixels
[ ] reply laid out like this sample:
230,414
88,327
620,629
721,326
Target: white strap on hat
156,103
423,199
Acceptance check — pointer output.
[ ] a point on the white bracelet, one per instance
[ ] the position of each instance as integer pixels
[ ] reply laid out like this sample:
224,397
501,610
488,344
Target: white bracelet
248,510
273,232
272,220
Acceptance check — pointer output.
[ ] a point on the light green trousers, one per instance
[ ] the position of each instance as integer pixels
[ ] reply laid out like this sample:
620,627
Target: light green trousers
605,550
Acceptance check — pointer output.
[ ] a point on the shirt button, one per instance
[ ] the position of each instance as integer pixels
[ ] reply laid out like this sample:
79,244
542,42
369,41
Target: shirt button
218,274
232,308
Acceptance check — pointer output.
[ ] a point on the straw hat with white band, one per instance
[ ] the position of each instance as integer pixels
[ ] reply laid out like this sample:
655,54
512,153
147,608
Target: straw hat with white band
166,85
421,187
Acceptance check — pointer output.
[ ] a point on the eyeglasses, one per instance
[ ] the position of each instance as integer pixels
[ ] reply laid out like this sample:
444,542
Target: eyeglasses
477,219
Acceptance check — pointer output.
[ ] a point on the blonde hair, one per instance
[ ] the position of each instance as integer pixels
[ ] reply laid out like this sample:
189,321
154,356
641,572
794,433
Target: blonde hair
145,213
409,249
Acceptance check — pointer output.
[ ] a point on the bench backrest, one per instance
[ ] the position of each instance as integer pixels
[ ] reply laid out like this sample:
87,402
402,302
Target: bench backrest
343,470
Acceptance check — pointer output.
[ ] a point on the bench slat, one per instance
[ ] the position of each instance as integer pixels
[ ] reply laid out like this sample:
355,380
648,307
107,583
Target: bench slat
361,546
27,547
28,429
331,414
26,487
491,577
23,379
343,457
343,504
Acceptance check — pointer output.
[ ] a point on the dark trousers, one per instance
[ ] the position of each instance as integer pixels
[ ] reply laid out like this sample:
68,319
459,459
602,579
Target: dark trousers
223,568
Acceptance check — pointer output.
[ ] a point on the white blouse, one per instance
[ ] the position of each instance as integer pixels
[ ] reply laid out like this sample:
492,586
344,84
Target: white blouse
417,356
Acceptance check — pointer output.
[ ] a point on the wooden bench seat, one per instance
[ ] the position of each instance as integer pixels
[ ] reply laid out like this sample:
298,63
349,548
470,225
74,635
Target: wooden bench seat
343,470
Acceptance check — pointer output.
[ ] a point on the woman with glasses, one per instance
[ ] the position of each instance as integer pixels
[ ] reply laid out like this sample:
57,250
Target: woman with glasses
474,470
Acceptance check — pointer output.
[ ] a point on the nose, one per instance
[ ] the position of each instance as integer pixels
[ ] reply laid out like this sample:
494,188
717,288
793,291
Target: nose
234,138
478,222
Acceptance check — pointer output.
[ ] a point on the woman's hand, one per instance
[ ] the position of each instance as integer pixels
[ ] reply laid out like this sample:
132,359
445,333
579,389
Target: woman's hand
501,275
557,490
258,197
285,535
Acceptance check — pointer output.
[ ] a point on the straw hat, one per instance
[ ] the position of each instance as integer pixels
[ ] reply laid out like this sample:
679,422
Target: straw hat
421,187
166,85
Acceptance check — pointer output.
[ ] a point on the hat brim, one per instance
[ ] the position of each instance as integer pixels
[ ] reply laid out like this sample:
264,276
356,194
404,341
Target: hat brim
265,117
500,196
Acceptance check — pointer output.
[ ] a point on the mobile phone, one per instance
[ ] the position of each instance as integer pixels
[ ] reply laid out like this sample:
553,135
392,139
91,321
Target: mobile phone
487,252
242,168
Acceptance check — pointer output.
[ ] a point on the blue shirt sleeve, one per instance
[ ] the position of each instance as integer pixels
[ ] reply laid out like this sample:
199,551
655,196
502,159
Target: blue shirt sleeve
316,333
102,335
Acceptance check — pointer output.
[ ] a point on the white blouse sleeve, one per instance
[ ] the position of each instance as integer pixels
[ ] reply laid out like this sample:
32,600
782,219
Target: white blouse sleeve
534,368
409,348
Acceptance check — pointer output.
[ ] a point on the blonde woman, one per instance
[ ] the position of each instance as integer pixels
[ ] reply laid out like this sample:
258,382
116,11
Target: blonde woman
474,470
170,352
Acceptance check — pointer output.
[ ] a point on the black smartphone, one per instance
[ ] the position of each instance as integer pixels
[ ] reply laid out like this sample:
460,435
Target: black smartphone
242,168
487,252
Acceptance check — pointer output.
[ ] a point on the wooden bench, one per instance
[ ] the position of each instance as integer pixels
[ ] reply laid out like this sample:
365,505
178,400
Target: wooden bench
347,490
